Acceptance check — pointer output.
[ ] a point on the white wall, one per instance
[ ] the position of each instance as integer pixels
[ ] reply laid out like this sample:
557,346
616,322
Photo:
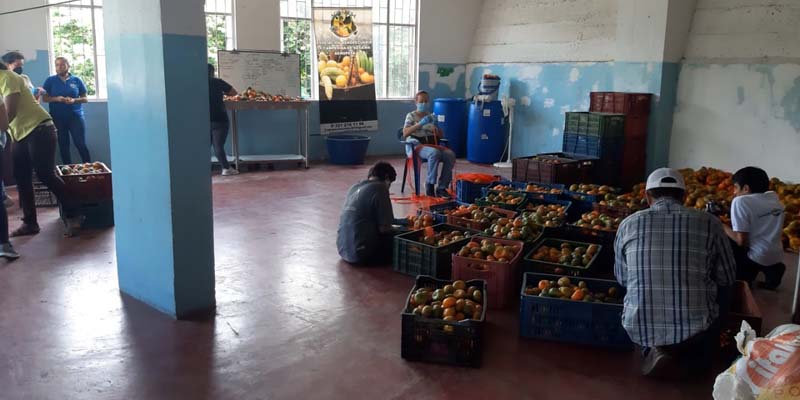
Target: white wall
545,31
739,89
446,30
25,31
258,25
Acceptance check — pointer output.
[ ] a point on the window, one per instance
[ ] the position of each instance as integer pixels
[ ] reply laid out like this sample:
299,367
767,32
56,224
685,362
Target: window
76,32
219,27
394,28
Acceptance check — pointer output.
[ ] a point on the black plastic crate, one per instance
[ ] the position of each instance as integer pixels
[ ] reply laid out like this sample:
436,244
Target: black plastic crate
522,186
537,202
484,202
541,266
603,149
412,257
595,324
437,211
43,197
444,342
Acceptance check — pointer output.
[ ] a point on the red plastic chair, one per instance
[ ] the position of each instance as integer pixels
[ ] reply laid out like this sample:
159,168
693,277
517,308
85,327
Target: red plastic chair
414,160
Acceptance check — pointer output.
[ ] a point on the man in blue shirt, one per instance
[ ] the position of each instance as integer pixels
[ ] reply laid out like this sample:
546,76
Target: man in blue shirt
66,94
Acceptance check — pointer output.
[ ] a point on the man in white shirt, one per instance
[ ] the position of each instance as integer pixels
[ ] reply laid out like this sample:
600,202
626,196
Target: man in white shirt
757,218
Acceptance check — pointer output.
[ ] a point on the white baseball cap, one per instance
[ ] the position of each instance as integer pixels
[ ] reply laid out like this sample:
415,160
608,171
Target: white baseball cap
665,178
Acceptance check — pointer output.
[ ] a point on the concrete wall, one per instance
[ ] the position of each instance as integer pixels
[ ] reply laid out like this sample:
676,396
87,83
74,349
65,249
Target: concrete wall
444,49
739,92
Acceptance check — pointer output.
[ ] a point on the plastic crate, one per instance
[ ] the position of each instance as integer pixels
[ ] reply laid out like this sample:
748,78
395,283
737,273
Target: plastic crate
478,225
571,168
602,125
620,103
521,186
438,341
436,211
501,278
537,202
594,324
95,216
743,308
603,149
467,192
483,202
412,257
43,197
531,265
87,188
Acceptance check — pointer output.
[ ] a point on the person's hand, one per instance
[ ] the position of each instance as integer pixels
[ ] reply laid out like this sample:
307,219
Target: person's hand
428,119
69,100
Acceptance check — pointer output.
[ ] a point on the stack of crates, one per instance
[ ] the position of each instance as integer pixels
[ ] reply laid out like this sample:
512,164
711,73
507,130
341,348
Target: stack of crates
599,135
42,196
636,109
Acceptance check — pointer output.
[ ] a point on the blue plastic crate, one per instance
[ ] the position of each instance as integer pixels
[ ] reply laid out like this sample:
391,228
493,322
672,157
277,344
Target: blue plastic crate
467,192
594,324
593,146
437,210
520,187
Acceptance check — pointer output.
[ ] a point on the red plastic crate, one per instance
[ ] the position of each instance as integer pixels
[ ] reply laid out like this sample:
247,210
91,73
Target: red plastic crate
502,279
620,103
87,188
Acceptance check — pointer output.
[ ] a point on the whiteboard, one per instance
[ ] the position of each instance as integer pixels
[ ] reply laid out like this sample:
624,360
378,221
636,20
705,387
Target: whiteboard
268,71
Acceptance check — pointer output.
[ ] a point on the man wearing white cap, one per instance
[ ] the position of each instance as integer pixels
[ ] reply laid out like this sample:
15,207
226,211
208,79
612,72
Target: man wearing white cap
677,266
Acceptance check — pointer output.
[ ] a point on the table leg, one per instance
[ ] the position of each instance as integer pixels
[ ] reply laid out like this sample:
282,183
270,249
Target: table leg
235,138
306,124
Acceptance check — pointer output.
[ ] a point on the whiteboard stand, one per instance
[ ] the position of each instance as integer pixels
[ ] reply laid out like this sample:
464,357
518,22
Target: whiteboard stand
303,123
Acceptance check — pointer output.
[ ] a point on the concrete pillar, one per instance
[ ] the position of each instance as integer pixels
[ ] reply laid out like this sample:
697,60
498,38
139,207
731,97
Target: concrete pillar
159,124
653,33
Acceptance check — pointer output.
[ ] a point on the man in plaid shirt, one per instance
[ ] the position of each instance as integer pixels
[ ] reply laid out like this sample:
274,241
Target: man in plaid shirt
677,266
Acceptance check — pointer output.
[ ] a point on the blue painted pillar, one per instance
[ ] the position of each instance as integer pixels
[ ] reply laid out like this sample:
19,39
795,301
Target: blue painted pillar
159,123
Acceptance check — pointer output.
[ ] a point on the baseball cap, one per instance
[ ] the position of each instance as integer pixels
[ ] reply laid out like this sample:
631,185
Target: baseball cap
665,178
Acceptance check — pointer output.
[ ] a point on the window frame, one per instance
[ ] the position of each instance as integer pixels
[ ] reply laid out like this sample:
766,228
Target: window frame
51,46
232,14
388,24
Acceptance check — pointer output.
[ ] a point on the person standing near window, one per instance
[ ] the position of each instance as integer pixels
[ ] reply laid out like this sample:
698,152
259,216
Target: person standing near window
66,94
34,135
217,90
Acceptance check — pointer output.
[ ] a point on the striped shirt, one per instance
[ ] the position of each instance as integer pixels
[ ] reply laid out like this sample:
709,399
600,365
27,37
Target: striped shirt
671,260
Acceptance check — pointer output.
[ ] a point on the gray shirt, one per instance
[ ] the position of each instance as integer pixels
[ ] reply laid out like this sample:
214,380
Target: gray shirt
366,208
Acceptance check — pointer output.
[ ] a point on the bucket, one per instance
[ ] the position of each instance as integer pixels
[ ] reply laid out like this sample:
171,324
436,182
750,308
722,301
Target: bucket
488,88
347,149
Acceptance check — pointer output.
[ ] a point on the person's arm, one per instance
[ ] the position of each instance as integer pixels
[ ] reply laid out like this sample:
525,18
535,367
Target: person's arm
3,117
82,93
620,264
228,89
740,224
47,86
410,126
384,213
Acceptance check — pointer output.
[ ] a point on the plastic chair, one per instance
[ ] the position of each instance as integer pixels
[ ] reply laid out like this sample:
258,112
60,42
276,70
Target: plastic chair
414,160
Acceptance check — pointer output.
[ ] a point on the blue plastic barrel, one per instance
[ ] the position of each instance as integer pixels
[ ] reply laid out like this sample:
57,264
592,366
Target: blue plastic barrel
451,115
486,136
347,149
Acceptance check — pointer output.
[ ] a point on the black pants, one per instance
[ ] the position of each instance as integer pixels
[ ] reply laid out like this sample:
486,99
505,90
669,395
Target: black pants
73,126
219,134
37,151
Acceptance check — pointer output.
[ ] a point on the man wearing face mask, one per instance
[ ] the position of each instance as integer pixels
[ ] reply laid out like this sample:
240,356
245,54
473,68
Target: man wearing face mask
420,128
366,228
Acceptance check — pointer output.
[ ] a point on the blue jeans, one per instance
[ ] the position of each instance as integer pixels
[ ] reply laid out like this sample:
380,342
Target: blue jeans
73,126
434,157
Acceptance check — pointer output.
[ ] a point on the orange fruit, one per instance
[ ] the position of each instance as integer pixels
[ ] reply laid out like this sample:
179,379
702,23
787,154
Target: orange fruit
460,303
459,284
460,317
449,302
449,318
460,294
449,312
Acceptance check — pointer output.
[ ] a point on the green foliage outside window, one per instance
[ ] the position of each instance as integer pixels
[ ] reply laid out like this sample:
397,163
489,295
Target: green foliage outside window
68,38
297,39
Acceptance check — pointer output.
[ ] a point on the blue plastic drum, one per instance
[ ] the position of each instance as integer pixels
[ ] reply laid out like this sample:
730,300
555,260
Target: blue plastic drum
451,117
486,136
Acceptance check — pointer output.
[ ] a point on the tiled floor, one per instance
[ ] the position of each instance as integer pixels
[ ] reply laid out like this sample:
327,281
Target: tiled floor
292,320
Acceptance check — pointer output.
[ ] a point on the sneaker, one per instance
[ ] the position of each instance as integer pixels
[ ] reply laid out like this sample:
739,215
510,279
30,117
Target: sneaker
229,172
443,193
7,251
72,226
26,230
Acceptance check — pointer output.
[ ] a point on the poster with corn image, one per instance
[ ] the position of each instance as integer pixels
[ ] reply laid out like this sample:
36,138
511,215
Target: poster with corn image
346,69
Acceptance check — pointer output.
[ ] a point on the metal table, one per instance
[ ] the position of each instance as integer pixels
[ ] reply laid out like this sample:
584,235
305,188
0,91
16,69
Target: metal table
301,107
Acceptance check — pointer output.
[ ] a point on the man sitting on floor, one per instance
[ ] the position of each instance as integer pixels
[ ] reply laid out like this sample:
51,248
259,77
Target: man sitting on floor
365,232
678,267
757,219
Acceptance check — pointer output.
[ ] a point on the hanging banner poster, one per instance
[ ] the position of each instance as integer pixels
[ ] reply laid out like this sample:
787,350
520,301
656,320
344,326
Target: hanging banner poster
346,69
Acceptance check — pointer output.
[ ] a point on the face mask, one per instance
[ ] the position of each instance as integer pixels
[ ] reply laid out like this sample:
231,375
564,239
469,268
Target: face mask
421,107
18,70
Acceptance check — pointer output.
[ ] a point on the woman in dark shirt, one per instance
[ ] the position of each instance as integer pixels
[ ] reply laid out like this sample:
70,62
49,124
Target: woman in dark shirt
217,89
